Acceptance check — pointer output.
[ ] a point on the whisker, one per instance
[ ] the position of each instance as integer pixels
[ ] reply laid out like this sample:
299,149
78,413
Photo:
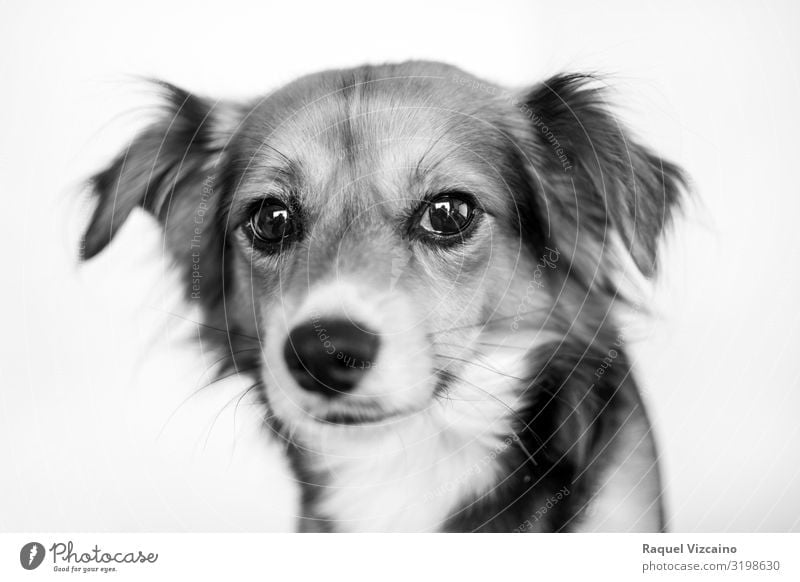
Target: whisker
196,393
468,326
462,347
504,346
231,356
238,398
491,322
255,386
205,325
477,365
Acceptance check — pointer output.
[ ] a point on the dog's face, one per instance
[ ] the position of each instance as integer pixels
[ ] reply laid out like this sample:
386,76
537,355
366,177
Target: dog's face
398,240
375,230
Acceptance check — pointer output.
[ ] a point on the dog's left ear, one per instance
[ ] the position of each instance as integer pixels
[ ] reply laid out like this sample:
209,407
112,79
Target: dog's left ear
166,170
598,183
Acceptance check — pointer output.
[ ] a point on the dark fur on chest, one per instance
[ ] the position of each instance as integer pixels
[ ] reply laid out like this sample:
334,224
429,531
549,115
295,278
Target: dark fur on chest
564,438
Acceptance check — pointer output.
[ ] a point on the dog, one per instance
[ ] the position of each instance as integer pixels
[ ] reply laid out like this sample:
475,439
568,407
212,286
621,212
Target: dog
424,273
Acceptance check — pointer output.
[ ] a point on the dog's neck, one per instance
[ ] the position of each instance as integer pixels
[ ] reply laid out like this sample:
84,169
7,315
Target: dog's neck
410,477
413,474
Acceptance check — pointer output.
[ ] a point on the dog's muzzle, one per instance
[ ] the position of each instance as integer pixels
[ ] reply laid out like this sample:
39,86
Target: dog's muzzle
330,357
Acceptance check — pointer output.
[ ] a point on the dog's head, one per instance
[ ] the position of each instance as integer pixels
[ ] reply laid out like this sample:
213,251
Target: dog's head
397,239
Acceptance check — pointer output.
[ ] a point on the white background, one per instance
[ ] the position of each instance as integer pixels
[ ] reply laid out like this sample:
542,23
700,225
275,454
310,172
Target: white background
92,360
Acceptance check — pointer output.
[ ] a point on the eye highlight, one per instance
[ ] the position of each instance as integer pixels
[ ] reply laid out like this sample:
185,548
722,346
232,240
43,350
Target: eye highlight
449,215
272,224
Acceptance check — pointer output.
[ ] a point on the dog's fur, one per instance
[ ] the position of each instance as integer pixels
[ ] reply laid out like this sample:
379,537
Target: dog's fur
502,396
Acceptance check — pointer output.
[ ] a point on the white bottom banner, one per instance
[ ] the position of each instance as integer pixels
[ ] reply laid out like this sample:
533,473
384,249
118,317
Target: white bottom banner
376,557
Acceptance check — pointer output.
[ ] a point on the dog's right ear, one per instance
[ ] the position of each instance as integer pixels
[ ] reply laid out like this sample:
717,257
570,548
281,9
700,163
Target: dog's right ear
162,167
599,183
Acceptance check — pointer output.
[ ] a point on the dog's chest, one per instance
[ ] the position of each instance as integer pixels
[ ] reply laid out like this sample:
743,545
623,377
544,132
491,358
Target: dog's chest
412,485
414,474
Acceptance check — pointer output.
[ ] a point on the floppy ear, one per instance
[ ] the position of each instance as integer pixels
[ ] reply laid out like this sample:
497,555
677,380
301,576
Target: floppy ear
599,184
164,170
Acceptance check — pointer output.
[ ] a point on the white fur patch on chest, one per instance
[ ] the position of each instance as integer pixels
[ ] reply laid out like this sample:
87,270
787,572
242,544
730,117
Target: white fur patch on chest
412,475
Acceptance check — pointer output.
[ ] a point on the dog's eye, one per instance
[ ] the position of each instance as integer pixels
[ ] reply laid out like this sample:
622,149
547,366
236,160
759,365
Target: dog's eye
271,223
447,215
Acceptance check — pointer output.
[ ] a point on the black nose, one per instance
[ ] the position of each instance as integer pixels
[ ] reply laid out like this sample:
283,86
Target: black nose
330,356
